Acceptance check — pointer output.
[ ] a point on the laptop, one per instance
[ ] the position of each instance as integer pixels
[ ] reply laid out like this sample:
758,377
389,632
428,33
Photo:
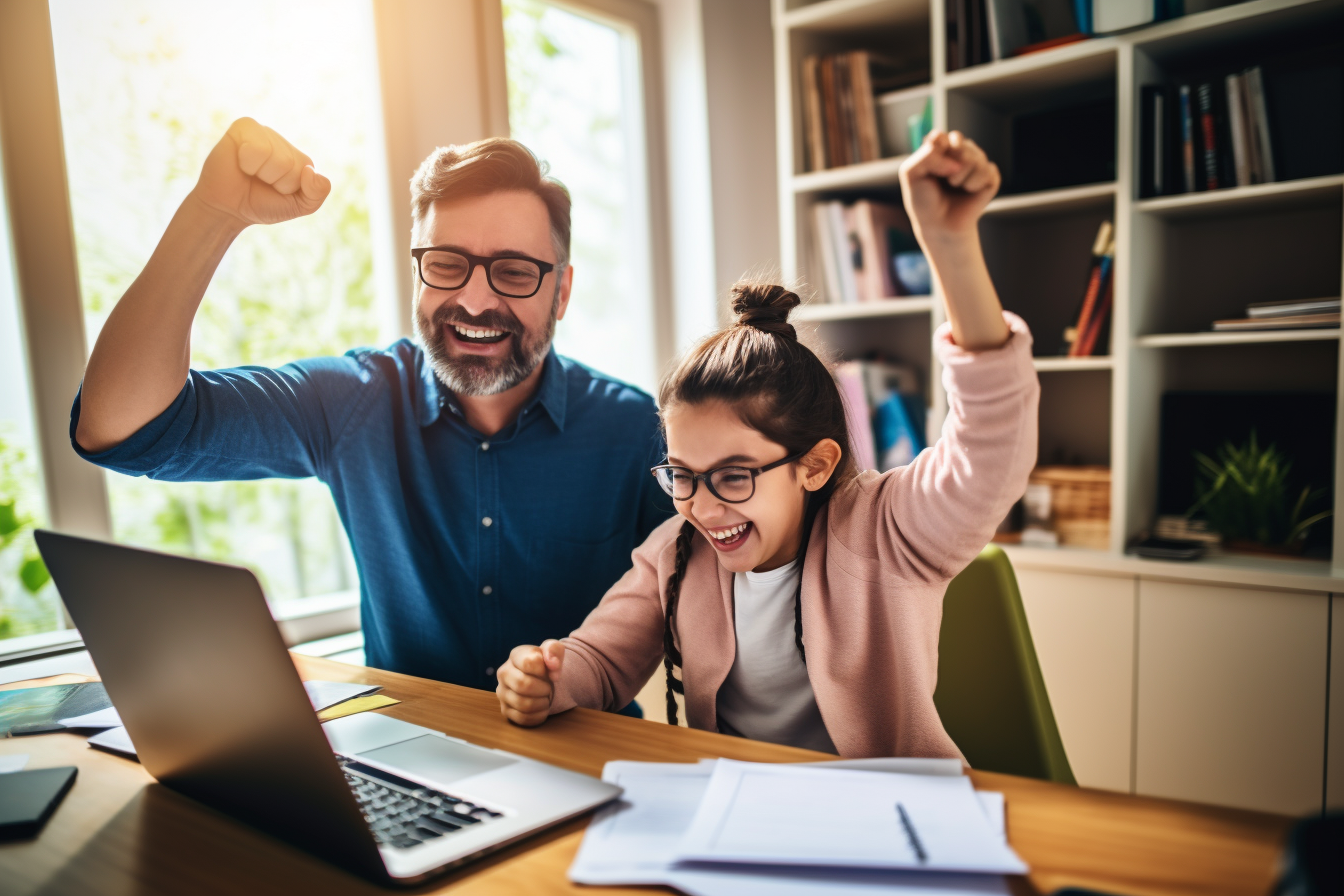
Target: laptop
198,672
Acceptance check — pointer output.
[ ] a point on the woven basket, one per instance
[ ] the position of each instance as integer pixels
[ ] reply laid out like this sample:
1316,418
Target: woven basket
1080,500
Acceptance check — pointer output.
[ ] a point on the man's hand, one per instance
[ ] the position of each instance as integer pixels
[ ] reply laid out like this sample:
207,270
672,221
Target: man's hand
946,184
527,682
255,175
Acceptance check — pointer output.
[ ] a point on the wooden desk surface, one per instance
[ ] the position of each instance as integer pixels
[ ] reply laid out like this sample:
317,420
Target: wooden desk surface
119,833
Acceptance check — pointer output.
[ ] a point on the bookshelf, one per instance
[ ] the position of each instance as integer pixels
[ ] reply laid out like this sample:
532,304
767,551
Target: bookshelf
1166,678
1182,261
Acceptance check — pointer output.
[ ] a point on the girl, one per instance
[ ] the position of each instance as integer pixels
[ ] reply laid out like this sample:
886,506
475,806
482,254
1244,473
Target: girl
802,598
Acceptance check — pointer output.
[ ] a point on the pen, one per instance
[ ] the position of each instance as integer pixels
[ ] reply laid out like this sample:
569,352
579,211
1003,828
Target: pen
915,845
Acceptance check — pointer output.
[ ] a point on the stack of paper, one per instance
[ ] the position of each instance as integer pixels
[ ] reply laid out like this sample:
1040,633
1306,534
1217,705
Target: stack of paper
745,828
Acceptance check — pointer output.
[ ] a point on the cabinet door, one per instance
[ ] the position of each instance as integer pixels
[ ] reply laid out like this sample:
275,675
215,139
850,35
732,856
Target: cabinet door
1083,629
1334,761
1231,699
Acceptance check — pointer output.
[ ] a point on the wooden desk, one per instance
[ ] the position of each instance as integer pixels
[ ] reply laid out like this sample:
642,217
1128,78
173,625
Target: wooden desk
119,833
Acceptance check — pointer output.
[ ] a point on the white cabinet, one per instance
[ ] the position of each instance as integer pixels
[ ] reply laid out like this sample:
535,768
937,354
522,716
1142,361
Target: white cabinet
1334,760
1231,695
1083,629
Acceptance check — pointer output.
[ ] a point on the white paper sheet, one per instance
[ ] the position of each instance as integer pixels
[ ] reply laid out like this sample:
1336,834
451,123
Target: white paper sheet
761,813
323,694
906,765
115,740
102,718
634,841
13,763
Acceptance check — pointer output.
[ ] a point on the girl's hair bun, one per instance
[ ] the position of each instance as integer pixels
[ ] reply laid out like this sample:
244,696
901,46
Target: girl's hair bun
765,307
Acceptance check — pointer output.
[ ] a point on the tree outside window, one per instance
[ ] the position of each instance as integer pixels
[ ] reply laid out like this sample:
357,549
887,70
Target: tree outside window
146,88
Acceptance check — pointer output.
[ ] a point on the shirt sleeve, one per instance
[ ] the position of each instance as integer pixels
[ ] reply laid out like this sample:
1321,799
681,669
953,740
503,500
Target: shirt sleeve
942,509
244,423
610,657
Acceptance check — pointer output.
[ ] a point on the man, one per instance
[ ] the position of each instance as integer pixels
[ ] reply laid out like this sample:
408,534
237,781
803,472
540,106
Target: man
492,490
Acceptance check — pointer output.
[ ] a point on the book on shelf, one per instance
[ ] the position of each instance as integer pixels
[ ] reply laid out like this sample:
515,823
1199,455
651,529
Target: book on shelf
967,34
839,104
1082,338
1280,119
980,31
1018,27
885,411
1293,306
1110,16
867,251
1286,322
1293,314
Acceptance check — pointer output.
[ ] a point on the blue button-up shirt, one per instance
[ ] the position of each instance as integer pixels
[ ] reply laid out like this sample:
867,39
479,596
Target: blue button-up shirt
467,545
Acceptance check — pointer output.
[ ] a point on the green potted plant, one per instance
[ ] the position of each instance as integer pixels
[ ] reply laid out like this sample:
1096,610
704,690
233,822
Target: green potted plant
1244,495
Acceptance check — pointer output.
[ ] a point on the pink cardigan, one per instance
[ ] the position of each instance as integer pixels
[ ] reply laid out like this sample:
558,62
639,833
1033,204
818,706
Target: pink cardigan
878,562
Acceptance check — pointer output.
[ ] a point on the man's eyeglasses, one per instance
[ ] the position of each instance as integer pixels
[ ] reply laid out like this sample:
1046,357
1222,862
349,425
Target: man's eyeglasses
514,276
732,485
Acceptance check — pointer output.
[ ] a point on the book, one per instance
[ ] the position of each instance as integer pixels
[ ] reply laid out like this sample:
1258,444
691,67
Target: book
849,377
1236,121
1259,125
873,221
1293,306
813,119
1017,27
1287,322
1092,291
1150,141
952,22
865,106
840,106
1121,15
825,249
844,100
1099,324
1187,139
830,111
1208,138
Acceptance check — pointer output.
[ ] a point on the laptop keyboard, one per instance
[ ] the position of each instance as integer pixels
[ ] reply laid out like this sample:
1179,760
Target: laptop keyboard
403,814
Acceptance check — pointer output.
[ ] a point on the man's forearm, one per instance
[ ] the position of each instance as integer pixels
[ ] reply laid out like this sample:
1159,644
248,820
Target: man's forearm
973,306
142,355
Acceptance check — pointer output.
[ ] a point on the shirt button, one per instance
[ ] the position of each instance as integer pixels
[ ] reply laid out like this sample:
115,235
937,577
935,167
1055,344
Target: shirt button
486,521
485,446
487,590
489,671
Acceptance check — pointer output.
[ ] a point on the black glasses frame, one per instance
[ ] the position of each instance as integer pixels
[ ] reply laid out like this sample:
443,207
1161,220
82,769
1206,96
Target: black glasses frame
484,261
697,478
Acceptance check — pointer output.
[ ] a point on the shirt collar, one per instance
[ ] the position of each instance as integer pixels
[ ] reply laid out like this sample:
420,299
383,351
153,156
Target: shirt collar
551,395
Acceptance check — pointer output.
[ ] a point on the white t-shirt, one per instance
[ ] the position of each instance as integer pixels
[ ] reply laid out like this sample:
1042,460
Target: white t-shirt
767,694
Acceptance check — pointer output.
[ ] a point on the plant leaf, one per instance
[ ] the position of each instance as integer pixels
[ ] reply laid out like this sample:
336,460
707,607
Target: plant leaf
33,573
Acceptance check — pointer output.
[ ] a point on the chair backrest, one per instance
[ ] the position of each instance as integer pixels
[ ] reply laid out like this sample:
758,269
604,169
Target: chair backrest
990,693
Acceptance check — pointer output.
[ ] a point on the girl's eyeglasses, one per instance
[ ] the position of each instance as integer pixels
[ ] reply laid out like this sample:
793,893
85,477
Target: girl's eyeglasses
732,485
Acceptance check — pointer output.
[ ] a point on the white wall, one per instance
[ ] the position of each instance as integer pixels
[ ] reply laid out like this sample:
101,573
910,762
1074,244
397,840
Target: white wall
739,69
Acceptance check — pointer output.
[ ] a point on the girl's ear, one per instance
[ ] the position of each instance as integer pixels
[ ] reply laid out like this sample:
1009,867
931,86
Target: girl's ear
819,463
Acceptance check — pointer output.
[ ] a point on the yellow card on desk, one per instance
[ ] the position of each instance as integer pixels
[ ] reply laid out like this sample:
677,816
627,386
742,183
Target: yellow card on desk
357,704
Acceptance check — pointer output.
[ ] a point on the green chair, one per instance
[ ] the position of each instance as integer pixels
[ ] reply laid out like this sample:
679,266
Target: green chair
990,694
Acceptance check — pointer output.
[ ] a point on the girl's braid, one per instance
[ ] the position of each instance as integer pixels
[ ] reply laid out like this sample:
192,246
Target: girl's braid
672,656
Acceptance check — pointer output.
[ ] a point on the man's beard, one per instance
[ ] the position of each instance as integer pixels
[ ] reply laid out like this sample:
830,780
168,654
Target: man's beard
476,375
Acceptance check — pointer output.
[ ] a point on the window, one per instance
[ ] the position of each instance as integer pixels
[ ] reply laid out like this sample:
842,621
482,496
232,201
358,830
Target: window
576,99
146,89
28,601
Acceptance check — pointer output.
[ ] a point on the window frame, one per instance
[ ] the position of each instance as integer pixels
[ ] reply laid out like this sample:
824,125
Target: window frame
641,19
32,161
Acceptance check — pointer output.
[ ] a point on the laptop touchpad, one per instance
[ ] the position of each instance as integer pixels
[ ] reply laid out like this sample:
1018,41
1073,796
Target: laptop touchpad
439,760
